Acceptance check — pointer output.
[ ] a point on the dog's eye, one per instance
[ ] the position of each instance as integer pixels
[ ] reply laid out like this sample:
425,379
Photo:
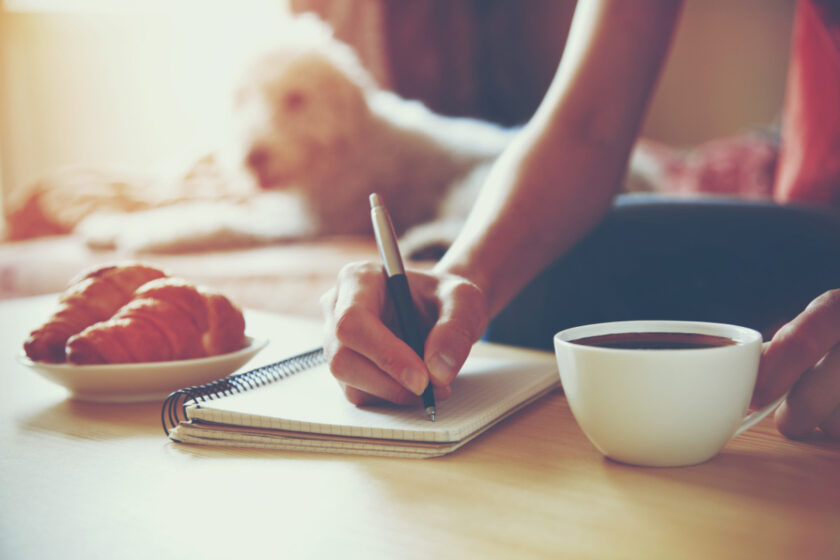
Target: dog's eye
294,101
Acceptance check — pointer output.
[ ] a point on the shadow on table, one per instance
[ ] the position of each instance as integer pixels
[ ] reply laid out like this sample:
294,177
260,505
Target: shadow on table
89,420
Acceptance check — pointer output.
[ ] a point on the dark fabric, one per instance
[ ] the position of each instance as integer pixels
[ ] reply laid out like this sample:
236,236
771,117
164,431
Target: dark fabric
492,59
750,263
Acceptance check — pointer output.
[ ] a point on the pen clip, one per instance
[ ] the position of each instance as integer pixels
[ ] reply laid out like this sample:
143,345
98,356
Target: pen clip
386,239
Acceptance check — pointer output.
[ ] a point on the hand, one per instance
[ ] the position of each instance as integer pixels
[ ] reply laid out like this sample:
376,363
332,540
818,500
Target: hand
804,356
370,362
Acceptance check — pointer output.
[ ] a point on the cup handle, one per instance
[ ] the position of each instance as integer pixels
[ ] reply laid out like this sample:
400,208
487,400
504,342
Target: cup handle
757,416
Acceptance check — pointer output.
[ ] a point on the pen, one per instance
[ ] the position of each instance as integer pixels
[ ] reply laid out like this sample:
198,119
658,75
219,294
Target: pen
397,284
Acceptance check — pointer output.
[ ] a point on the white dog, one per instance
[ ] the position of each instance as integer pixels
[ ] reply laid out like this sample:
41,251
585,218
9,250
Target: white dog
313,136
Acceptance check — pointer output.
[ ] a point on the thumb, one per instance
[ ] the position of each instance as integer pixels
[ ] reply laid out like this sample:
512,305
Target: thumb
462,319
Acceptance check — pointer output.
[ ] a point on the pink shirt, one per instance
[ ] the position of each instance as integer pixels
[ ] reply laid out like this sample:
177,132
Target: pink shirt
809,164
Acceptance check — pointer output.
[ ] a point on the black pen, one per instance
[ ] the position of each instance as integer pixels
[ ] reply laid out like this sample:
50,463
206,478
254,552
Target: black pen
397,284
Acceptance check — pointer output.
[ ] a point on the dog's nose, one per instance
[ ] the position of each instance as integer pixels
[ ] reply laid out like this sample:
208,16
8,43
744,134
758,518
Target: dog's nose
257,159
258,163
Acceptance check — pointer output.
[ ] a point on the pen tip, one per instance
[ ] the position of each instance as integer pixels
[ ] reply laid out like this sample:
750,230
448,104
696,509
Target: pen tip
431,413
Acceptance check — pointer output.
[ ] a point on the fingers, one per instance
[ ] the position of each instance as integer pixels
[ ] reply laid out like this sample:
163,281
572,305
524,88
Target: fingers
814,400
364,382
367,358
362,332
831,427
797,346
371,362
462,319
804,356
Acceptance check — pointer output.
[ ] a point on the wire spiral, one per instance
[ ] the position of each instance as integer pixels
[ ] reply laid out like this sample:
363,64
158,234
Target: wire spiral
174,409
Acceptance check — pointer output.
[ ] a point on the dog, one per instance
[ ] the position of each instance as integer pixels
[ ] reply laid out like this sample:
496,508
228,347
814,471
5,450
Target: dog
311,136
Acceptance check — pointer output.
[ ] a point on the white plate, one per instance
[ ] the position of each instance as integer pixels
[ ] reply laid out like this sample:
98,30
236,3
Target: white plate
142,381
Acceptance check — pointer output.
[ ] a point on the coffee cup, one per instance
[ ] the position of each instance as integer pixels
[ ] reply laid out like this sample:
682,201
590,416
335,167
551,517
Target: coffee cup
660,393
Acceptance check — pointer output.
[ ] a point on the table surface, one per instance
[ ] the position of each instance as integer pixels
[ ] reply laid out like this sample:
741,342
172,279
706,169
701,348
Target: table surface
85,480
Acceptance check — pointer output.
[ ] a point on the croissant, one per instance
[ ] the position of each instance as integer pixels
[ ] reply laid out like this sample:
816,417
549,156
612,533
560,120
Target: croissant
167,319
93,296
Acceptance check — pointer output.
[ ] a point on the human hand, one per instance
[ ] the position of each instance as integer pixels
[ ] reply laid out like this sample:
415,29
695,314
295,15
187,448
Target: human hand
804,357
370,362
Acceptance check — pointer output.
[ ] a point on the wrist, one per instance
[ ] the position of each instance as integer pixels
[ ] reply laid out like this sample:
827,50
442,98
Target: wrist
476,273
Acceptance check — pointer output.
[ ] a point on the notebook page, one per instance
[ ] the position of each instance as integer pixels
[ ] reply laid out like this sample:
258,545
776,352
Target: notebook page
221,435
312,402
212,434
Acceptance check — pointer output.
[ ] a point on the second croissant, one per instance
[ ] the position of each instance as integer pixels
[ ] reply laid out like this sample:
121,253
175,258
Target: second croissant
167,319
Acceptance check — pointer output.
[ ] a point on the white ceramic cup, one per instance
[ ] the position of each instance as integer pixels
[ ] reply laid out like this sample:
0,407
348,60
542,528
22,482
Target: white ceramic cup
661,408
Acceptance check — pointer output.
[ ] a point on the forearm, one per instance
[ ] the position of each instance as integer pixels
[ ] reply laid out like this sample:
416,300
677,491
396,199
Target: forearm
561,174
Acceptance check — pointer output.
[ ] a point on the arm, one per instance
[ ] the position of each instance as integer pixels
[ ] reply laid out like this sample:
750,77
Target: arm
548,188
558,179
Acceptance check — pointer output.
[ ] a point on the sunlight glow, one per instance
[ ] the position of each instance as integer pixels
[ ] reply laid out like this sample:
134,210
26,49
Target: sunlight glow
139,84
110,6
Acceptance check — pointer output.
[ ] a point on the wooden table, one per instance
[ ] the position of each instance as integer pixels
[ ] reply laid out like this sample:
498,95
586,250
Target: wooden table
83,480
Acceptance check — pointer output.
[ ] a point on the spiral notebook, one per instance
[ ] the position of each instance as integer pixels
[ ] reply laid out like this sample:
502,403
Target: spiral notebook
296,405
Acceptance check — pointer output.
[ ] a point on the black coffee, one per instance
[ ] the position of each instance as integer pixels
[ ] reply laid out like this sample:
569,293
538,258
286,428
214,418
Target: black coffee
656,341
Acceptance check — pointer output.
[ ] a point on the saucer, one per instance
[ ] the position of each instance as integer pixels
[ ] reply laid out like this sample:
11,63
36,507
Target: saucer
139,382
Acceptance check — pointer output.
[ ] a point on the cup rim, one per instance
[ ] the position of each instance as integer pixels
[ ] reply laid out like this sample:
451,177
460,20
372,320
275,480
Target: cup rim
742,335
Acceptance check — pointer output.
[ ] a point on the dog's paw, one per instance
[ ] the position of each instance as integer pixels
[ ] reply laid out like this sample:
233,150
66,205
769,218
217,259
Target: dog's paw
198,226
101,230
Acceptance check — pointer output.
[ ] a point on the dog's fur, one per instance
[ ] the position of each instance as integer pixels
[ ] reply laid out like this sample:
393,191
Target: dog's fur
313,136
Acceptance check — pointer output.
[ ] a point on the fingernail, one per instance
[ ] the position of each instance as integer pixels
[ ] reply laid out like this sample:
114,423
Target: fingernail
442,366
415,381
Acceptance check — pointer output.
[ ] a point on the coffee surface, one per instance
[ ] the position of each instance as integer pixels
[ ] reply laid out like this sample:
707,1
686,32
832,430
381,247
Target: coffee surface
655,341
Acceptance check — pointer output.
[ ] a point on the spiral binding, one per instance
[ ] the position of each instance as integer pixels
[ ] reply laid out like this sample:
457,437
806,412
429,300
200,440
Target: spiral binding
174,408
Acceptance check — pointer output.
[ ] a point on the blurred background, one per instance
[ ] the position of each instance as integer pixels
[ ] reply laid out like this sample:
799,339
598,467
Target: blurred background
145,84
